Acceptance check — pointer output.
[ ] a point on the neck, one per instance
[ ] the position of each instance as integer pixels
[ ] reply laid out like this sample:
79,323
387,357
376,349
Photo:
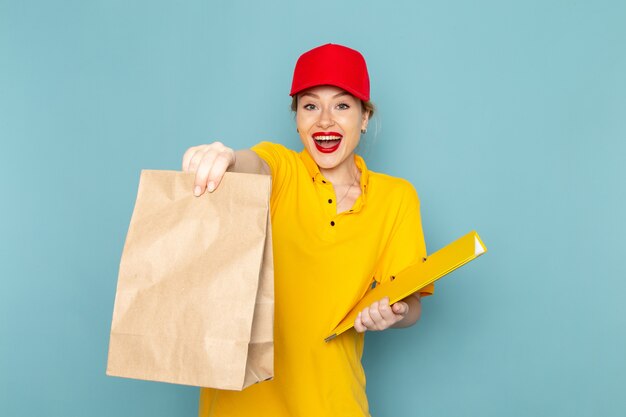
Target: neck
344,174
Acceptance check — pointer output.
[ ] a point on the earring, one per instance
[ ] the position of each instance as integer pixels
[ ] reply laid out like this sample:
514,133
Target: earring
297,130
364,131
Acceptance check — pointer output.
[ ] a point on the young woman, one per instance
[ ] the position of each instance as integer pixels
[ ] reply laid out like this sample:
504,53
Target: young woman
337,227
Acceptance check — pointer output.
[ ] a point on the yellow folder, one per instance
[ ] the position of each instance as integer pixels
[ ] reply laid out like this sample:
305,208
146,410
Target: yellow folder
417,276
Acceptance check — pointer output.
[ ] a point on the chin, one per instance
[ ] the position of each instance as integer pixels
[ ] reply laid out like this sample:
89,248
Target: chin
326,161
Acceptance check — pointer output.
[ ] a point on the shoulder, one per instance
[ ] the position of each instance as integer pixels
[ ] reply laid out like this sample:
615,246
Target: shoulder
270,145
395,188
271,148
277,156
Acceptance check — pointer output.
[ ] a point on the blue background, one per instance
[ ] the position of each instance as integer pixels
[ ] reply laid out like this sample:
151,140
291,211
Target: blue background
508,117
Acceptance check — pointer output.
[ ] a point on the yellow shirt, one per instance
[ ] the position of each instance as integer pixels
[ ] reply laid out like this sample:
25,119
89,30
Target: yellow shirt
323,263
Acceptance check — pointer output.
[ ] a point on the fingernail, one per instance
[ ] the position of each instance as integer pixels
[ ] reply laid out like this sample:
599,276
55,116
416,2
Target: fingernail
197,191
211,187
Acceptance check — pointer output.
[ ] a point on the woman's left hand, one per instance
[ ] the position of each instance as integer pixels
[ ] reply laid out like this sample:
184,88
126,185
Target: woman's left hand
380,315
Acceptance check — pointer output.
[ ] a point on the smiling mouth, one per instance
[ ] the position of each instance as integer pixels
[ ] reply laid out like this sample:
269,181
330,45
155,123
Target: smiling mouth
327,142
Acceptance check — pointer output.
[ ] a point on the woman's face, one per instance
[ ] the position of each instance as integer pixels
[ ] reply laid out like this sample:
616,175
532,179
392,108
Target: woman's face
329,121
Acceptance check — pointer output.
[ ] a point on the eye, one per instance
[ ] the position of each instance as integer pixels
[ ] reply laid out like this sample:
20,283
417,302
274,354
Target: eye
343,106
309,106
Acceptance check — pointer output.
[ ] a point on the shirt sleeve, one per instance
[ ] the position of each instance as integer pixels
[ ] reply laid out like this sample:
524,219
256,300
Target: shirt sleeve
272,153
277,158
406,243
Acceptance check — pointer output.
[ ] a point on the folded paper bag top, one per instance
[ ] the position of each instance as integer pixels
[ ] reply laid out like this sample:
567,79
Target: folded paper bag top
186,261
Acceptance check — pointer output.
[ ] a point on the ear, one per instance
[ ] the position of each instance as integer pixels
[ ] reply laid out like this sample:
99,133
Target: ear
365,120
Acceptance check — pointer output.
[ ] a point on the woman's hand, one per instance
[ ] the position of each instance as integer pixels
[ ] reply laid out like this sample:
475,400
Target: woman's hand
380,315
209,162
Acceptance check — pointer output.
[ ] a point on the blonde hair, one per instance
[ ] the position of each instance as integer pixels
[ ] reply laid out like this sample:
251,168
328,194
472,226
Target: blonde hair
365,106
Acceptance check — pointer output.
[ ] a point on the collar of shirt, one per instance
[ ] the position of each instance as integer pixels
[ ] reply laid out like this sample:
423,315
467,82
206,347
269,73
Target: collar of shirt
318,177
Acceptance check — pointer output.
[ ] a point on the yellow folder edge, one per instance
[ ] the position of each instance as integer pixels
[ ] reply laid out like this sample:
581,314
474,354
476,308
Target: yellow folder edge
417,276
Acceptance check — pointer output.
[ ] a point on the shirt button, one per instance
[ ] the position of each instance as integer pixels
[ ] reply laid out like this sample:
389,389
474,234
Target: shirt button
330,201
332,223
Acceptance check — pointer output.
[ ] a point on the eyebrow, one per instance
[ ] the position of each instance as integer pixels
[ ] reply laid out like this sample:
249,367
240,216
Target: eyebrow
343,93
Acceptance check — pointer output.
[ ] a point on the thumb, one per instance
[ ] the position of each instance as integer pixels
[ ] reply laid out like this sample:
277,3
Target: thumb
400,308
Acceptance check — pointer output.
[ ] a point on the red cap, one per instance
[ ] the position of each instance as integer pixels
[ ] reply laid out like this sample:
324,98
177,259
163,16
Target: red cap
332,64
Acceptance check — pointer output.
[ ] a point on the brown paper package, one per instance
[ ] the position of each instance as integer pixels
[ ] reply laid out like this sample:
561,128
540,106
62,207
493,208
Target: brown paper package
195,293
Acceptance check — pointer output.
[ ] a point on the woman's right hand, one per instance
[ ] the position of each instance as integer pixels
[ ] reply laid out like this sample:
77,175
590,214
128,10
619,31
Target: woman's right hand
209,162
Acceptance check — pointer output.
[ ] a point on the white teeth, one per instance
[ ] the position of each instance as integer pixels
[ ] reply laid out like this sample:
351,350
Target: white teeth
327,137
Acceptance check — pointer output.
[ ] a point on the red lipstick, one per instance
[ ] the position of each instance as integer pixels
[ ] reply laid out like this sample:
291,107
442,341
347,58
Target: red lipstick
327,142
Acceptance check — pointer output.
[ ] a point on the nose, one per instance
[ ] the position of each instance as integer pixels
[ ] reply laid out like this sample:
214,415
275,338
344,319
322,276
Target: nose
326,119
